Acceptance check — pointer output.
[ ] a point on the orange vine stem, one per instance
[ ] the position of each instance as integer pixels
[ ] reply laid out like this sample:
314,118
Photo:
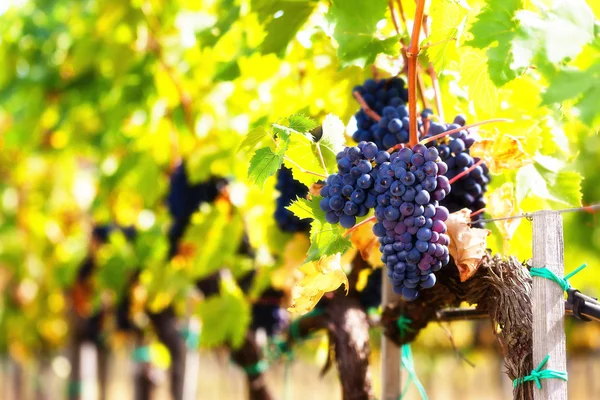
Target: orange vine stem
466,172
355,227
412,54
475,213
396,147
462,128
365,107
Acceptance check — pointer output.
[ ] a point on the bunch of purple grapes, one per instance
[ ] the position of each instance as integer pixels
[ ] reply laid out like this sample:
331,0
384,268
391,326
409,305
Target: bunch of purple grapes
387,98
468,191
351,192
410,227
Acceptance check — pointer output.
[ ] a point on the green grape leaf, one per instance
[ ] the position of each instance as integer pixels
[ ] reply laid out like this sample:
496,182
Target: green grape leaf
355,31
263,165
253,138
281,20
567,84
303,208
228,315
582,86
325,239
448,20
301,123
302,156
546,179
497,25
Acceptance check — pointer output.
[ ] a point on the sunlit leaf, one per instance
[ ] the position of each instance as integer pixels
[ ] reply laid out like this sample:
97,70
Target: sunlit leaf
503,203
448,20
501,151
319,277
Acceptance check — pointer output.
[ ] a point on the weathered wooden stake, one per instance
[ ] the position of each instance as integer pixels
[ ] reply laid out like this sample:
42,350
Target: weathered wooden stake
390,352
548,303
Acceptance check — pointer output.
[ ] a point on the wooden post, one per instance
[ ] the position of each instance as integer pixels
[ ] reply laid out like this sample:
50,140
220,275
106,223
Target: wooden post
548,303
390,353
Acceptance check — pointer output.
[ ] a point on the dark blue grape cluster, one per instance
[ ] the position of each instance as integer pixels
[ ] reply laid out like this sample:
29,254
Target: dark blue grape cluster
289,189
388,99
468,191
350,192
410,227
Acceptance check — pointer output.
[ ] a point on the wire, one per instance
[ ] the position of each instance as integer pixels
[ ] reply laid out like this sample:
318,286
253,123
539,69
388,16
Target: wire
529,216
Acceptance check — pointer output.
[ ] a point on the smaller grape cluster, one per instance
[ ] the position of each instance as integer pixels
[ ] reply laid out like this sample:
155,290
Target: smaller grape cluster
410,227
387,98
351,192
468,191
268,314
289,189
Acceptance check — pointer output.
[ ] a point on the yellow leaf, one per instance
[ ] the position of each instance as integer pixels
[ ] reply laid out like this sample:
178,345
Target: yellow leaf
294,253
366,242
501,152
322,276
467,245
503,203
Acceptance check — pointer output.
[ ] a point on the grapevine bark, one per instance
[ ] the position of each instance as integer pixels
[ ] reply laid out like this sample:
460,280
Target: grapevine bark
501,288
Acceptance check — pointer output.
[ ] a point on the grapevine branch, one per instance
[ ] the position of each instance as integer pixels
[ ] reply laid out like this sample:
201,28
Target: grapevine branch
462,128
412,54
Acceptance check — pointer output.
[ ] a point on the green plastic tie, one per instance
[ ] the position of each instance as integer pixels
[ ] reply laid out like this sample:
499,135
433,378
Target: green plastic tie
258,368
295,325
548,274
142,354
403,324
192,339
537,375
408,363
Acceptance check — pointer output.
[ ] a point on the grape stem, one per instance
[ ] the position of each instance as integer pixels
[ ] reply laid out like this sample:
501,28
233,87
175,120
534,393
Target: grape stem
475,213
305,171
466,172
394,17
355,227
462,128
428,45
321,158
365,107
396,147
412,55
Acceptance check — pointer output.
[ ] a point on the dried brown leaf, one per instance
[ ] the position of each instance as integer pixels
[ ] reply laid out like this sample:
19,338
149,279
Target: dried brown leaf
467,245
